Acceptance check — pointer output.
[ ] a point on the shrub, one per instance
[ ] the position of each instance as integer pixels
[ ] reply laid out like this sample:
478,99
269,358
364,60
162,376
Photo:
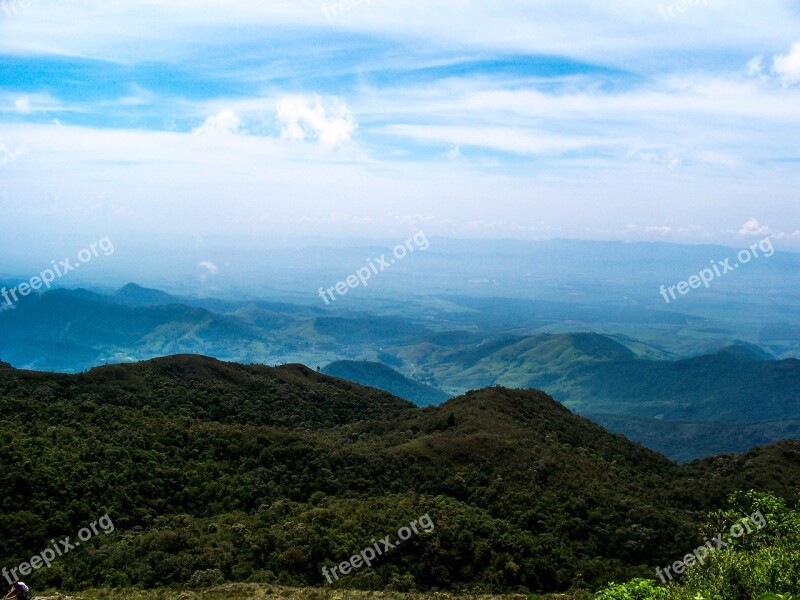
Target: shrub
637,589
206,578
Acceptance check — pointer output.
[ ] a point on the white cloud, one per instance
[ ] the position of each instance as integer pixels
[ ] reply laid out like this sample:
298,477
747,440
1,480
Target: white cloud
787,66
330,123
210,268
655,156
223,123
154,29
191,182
8,154
23,105
755,66
663,230
453,154
515,140
753,228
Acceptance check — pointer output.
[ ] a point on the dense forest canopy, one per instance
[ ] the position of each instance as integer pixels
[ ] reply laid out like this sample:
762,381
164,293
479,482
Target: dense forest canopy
214,471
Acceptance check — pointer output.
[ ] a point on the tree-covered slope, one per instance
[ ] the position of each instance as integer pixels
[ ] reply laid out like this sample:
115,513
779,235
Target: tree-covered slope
270,474
728,401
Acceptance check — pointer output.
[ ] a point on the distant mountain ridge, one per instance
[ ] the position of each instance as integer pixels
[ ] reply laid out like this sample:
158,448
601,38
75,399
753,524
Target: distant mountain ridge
78,329
383,377
686,441
745,351
734,390
737,387
136,295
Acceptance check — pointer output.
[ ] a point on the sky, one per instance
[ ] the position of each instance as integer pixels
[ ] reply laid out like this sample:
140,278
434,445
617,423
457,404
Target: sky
619,120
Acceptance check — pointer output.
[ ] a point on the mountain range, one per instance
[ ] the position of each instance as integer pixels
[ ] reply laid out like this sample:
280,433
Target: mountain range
726,401
686,407
266,474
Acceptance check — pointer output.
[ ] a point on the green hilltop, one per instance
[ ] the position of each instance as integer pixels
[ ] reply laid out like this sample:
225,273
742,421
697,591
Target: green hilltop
219,472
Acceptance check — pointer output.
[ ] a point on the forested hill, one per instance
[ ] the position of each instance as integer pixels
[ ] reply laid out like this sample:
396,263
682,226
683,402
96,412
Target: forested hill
207,389
239,473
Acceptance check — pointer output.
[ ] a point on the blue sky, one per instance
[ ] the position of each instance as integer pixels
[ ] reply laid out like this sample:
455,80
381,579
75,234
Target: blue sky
626,120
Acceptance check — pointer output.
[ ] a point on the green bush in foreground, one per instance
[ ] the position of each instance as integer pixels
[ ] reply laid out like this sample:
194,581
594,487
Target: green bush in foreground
764,564
638,589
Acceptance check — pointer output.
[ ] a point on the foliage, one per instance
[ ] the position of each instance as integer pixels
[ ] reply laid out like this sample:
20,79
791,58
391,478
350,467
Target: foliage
764,561
762,564
638,589
267,475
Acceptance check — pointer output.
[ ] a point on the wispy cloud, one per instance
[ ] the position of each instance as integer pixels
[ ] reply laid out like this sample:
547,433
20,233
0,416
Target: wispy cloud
208,269
234,108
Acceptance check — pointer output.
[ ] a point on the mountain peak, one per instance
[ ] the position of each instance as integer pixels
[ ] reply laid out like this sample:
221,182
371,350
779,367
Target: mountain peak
745,351
135,295
597,345
292,395
130,288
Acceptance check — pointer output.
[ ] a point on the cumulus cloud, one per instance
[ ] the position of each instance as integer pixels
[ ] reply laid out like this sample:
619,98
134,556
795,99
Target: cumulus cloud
329,122
23,105
753,228
787,66
224,123
210,270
